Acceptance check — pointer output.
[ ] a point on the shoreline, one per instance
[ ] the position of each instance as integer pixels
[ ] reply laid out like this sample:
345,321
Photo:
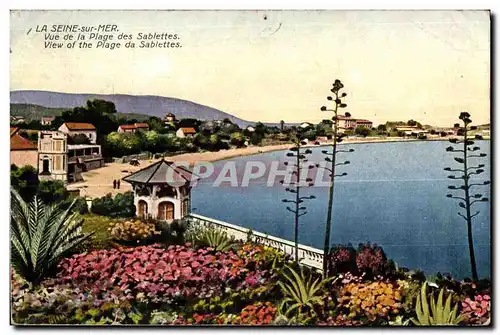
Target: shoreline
99,182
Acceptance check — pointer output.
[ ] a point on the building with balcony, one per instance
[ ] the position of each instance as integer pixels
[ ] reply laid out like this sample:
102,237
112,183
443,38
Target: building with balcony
59,160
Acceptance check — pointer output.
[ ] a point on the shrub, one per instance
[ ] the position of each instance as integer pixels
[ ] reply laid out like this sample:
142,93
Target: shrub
302,294
132,230
373,261
40,235
376,301
342,259
256,314
438,314
122,205
477,311
368,261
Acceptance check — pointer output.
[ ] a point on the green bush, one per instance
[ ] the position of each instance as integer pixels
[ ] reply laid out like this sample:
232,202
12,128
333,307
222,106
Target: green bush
122,205
40,235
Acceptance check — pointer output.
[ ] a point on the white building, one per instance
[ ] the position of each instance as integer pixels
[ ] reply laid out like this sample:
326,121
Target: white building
185,132
77,128
161,191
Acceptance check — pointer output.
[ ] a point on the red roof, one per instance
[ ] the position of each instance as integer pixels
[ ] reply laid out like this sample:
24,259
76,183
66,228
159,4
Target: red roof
13,130
79,126
17,142
188,130
363,121
142,125
127,126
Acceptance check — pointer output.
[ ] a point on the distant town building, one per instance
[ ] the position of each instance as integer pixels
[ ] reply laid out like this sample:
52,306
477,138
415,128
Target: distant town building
47,120
185,132
346,122
305,125
15,119
77,128
161,191
132,128
250,129
364,123
22,151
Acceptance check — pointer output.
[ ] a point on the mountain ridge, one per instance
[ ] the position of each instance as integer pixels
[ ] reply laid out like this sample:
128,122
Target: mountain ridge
152,105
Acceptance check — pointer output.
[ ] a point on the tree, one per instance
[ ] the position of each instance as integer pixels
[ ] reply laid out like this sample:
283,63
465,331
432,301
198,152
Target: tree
101,113
331,157
282,125
300,155
40,235
362,131
381,128
237,139
24,180
78,139
52,191
464,176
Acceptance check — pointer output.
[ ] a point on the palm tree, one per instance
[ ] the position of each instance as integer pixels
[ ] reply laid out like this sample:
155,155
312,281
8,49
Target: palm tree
41,234
282,125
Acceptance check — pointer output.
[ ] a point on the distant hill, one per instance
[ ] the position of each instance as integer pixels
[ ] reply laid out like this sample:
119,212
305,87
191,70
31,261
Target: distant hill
35,112
137,104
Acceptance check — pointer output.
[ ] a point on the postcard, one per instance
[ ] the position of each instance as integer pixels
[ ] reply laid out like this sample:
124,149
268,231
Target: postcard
250,168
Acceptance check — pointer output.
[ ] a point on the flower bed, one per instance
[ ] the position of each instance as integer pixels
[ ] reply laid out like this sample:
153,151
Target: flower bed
182,285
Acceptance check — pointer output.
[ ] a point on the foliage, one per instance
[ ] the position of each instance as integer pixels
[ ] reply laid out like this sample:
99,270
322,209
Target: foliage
81,205
132,230
468,170
376,301
215,238
477,311
439,314
50,191
40,235
24,180
332,157
238,139
297,208
368,260
301,293
362,131
256,314
122,205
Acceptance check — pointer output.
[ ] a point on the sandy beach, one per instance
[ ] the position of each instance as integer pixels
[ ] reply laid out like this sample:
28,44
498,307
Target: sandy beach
99,182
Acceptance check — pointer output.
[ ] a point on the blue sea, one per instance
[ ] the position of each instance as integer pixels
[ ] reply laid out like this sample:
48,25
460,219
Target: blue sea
394,195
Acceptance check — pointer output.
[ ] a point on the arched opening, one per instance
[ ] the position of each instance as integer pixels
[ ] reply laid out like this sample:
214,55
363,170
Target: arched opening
143,208
165,211
45,165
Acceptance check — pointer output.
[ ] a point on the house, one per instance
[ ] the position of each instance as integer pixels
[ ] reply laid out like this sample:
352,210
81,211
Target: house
250,129
58,160
364,123
47,120
346,122
132,128
305,125
185,132
15,119
76,128
22,151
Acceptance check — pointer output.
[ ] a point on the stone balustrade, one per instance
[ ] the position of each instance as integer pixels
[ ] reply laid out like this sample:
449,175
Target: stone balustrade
308,256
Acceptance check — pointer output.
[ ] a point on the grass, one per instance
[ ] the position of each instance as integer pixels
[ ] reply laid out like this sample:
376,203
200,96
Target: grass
99,225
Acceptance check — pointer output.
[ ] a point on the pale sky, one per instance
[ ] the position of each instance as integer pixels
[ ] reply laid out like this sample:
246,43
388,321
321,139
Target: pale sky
422,65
